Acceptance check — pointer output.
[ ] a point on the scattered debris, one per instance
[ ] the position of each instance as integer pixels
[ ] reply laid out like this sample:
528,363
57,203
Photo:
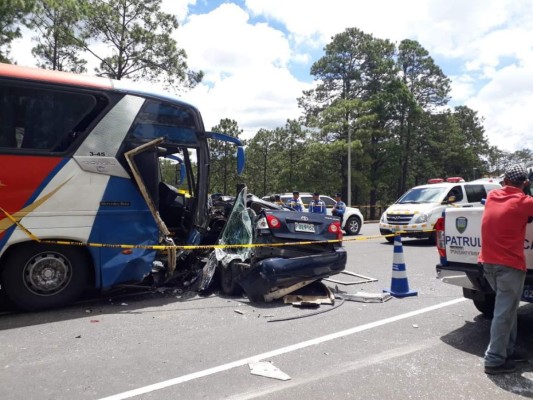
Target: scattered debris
310,296
208,272
278,294
94,321
362,279
364,297
268,370
77,337
123,304
239,312
415,325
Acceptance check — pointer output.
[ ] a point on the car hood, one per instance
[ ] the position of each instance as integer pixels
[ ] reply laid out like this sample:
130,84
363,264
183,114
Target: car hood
411,208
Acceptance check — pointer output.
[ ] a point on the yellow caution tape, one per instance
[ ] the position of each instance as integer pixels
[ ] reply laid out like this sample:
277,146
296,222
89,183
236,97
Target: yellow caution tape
192,247
14,220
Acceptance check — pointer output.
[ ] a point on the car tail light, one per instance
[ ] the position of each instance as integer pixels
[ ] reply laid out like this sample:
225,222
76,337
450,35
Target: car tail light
441,237
262,223
335,228
273,222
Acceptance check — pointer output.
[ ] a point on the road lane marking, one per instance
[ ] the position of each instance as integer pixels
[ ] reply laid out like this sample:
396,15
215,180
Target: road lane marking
277,352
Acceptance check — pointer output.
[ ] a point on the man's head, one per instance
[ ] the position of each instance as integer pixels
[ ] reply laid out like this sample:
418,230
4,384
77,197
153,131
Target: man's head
277,197
316,195
515,175
295,194
337,196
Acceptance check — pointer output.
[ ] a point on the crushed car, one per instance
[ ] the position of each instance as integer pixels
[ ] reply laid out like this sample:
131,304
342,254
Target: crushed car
268,251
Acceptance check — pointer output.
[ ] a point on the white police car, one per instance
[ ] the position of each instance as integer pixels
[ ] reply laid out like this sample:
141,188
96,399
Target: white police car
417,210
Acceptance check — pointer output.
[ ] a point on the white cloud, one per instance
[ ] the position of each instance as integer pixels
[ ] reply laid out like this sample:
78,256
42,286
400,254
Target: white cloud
485,46
505,102
247,78
462,88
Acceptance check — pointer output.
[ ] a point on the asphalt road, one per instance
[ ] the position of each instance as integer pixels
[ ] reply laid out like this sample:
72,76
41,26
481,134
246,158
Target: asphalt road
181,346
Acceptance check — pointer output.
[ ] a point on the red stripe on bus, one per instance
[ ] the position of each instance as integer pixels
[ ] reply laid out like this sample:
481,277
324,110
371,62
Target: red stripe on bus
20,177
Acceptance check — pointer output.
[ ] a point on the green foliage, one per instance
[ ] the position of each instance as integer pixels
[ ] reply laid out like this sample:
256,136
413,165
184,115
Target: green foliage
57,45
13,14
224,178
138,42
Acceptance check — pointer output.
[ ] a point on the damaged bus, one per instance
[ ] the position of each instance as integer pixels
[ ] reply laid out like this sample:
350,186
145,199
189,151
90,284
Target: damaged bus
80,180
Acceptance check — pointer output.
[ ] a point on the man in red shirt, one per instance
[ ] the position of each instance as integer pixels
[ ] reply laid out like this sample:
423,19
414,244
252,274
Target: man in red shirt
503,231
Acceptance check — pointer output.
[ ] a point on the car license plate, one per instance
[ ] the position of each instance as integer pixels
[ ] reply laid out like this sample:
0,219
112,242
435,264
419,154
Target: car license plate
302,227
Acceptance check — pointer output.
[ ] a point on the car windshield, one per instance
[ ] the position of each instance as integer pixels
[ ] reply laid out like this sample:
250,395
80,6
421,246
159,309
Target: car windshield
237,231
423,195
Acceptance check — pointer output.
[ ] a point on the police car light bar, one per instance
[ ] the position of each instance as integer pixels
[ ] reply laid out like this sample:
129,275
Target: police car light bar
455,179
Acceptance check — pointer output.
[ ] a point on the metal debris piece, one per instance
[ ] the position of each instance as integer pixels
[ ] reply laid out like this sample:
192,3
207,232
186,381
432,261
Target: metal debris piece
365,297
278,294
208,271
362,279
239,312
268,370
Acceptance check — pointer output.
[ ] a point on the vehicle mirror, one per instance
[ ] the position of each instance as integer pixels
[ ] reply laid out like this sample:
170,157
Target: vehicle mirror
240,159
180,174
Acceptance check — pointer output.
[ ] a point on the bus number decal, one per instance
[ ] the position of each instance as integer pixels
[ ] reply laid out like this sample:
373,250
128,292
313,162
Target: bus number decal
97,154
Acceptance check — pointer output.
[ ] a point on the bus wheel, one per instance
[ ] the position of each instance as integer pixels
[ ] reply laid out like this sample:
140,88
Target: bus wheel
37,276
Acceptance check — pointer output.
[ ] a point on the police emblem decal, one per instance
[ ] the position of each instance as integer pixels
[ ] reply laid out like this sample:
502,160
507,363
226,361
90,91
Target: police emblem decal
461,223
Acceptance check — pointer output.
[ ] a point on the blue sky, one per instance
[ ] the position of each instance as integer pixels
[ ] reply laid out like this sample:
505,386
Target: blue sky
256,54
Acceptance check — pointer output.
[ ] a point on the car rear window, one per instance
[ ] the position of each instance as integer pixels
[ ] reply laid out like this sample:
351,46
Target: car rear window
474,193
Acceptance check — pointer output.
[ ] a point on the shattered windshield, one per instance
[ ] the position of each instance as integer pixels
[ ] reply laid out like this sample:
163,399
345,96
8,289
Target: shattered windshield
423,195
238,230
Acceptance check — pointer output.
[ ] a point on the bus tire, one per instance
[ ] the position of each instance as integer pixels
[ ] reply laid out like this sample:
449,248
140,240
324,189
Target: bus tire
39,276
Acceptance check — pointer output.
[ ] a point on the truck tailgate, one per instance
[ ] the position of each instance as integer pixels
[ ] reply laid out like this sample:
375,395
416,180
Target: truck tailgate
463,234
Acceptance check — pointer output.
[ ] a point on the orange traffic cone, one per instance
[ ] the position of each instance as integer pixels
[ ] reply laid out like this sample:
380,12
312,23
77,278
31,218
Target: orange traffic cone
399,283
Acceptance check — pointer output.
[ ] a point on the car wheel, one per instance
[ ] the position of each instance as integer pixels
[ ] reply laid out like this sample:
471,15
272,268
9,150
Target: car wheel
228,279
432,239
37,276
353,226
486,306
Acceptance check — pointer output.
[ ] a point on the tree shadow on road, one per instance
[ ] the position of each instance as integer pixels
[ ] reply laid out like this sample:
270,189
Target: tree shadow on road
139,299
473,337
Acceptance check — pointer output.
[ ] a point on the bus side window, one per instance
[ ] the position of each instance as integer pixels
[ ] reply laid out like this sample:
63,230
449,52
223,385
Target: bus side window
42,119
7,120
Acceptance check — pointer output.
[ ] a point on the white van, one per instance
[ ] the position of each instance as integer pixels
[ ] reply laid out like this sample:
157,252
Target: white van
415,213
353,219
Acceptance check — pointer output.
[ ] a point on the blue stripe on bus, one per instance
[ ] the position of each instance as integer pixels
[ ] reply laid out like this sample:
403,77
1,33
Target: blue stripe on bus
123,218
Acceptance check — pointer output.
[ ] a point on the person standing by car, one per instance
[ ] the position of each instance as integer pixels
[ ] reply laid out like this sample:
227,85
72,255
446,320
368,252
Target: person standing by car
295,203
316,205
503,229
339,208
277,200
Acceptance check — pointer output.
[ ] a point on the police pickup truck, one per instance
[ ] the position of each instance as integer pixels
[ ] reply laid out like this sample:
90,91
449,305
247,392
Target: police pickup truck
458,235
